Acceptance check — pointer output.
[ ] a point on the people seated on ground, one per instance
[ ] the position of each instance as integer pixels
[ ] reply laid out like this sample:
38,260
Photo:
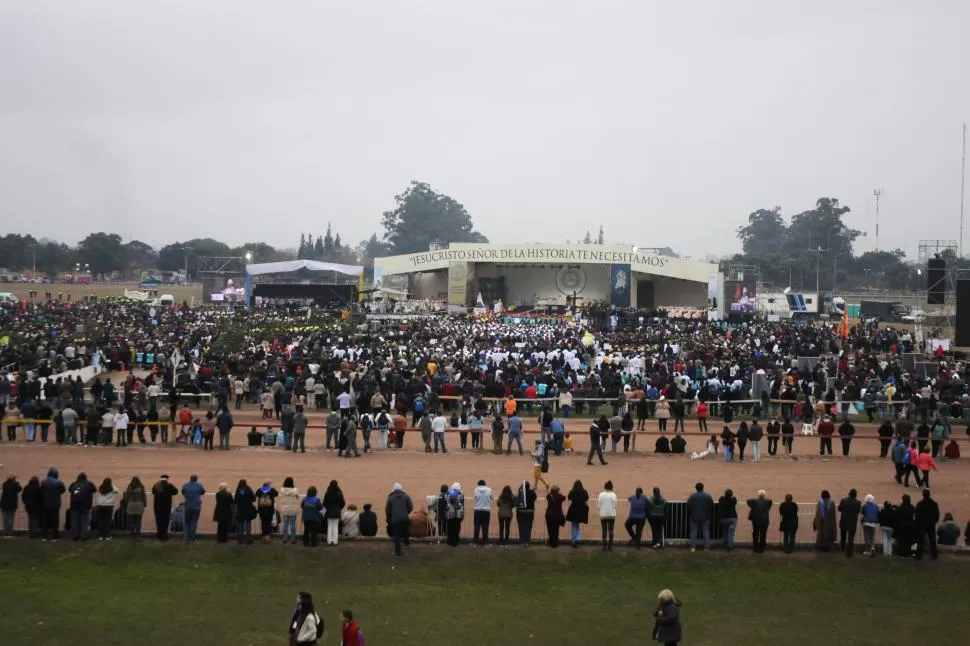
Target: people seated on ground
678,444
254,437
948,533
952,451
713,444
269,437
350,522
662,445
368,522
419,524
183,437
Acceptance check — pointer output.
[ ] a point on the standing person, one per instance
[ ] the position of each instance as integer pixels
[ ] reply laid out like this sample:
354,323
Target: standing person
606,507
911,465
787,435
266,508
289,508
81,493
925,520
333,429
759,511
9,500
515,433
224,424
426,429
482,513
742,438
506,507
754,435
825,431
846,431
657,516
476,424
666,628
351,633
498,430
595,444
245,501
701,413
773,430
311,509
662,413
727,442
885,437
905,528
850,508
438,427
299,430
222,515
34,506
637,517
887,523
555,518
192,492
137,500
397,512
727,505
578,512
104,507
162,494
788,511
870,523
455,514
51,490
525,507
69,418
333,506
824,523
540,464
121,427
699,508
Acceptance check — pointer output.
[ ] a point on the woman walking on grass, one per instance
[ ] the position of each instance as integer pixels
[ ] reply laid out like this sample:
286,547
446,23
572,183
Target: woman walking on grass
104,506
578,512
666,627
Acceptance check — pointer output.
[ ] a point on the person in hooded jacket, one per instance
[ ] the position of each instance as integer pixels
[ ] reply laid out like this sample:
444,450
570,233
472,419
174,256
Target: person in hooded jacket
742,438
312,508
9,502
870,523
245,500
137,501
368,522
79,510
51,490
222,515
788,511
288,505
455,514
266,508
667,629
904,530
578,512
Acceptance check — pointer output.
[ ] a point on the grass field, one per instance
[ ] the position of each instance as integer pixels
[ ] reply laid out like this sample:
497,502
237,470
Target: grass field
151,594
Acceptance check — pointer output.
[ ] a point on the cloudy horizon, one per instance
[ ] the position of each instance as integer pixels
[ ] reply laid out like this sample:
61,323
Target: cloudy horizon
667,125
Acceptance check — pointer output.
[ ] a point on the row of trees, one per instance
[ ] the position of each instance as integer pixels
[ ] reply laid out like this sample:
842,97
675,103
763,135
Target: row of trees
818,242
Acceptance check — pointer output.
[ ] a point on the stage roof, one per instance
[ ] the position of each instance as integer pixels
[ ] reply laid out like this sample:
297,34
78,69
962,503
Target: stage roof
291,266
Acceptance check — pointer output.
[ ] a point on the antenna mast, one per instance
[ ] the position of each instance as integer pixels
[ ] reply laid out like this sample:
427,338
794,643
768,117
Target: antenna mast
877,193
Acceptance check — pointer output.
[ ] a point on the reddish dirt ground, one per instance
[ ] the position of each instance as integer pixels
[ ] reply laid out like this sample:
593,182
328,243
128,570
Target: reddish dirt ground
369,478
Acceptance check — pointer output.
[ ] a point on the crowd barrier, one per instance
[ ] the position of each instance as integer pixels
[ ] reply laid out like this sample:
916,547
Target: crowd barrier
676,520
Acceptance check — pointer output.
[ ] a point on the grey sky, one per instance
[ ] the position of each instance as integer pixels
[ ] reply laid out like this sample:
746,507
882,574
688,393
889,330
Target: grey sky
666,122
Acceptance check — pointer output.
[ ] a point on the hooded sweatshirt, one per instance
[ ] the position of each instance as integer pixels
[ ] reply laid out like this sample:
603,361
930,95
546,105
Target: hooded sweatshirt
289,501
51,490
483,498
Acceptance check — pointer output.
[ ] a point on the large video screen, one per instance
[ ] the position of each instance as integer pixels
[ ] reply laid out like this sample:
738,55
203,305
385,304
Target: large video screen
739,297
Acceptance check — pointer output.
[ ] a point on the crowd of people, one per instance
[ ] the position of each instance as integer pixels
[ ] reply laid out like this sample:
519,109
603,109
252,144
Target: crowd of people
904,529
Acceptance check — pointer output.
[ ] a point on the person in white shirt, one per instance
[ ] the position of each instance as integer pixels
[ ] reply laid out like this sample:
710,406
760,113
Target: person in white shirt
483,512
438,426
606,506
344,401
121,427
107,426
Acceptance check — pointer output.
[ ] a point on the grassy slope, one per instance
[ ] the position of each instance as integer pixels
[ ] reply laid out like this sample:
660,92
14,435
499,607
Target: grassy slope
149,594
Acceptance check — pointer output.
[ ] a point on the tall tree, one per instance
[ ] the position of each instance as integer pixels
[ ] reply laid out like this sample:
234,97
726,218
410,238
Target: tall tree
102,252
600,238
318,249
328,247
588,238
301,252
139,255
423,216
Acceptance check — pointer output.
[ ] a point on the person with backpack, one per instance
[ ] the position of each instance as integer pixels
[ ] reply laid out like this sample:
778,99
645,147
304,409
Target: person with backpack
366,424
350,633
898,455
266,508
306,626
245,501
540,464
383,425
417,410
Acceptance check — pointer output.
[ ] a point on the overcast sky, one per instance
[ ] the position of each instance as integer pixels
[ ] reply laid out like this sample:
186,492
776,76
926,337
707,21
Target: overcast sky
667,123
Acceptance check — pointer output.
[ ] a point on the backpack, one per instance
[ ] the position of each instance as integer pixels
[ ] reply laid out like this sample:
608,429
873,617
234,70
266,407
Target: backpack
419,405
907,458
319,627
265,500
382,420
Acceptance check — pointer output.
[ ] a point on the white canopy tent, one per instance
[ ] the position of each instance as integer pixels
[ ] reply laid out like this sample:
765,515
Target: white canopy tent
290,266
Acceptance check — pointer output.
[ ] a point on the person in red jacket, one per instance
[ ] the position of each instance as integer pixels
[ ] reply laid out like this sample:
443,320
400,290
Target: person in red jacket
925,462
825,431
952,451
350,632
702,416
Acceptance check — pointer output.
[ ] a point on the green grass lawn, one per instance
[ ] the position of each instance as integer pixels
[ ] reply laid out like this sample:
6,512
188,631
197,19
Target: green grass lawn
151,594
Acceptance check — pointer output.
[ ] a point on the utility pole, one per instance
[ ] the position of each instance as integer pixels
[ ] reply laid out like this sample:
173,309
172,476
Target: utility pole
877,193
963,185
818,260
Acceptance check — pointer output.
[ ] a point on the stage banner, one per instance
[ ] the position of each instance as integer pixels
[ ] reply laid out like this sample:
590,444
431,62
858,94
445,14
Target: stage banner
458,283
620,285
